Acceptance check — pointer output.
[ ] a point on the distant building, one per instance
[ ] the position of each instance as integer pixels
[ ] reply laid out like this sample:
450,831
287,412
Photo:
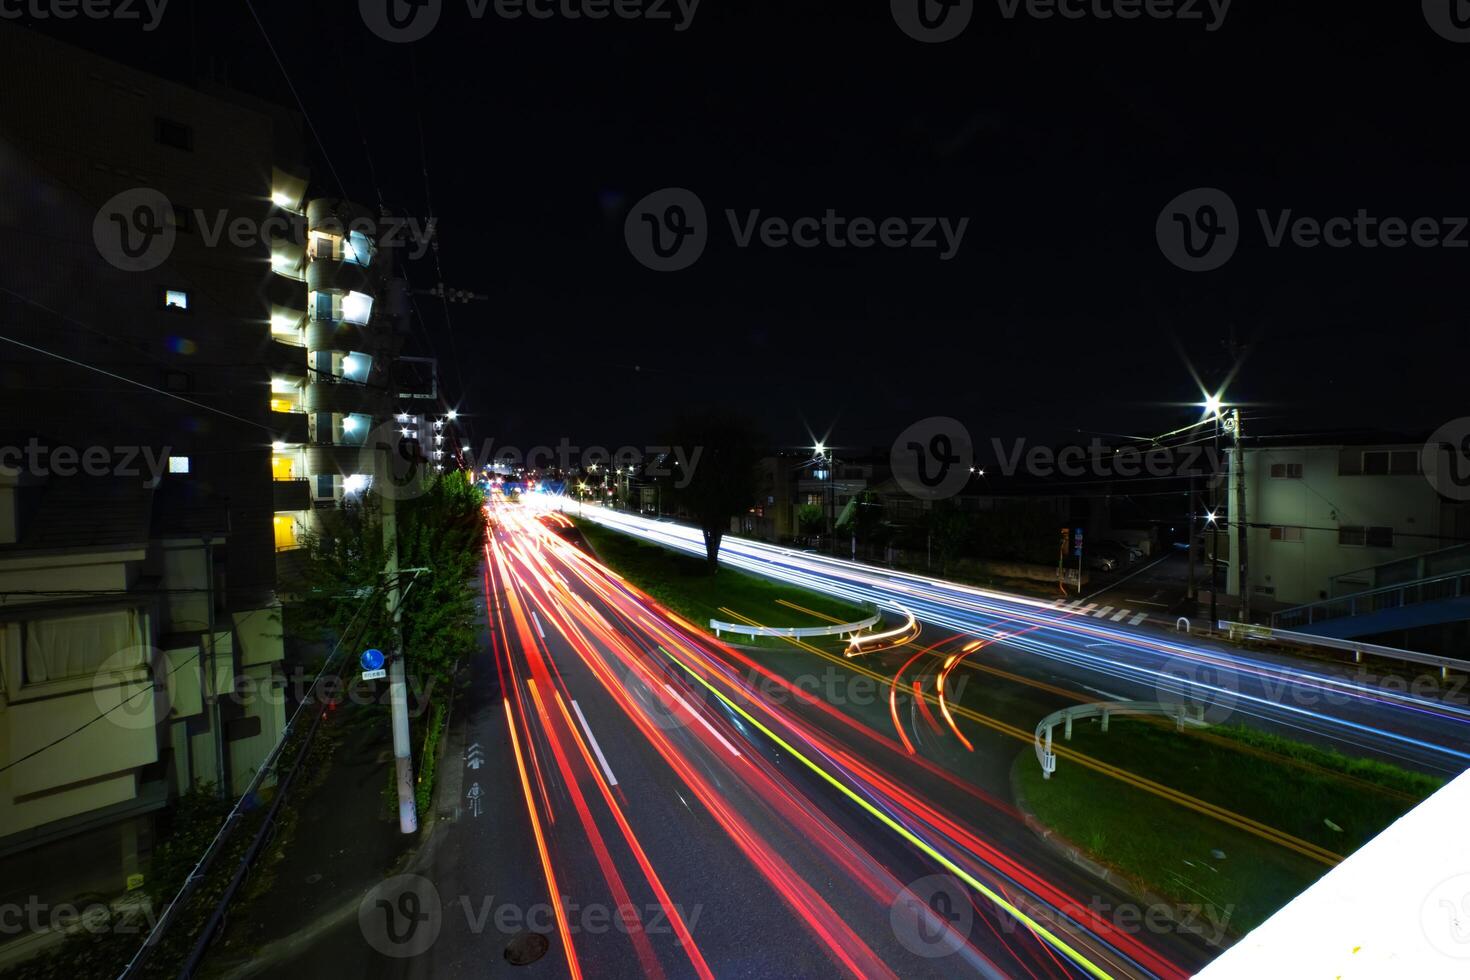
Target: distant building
1322,515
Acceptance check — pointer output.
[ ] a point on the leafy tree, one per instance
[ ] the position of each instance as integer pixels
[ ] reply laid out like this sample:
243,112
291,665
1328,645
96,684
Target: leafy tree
722,452
441,530
811,518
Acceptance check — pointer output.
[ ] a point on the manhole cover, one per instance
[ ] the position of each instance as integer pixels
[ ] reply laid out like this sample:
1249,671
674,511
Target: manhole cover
526,948
313,879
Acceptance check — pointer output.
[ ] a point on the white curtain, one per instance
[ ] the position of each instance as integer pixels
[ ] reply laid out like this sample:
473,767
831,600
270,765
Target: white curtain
77,646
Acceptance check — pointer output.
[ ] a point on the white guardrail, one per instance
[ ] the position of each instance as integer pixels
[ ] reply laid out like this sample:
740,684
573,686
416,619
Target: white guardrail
1249,631
1105,710
837,629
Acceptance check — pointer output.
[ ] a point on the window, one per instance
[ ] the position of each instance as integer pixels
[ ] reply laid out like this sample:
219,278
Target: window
1286,534
178,464
285,531
169,132
79,646
357,307
1370,537
175,299
1286,471
1395,462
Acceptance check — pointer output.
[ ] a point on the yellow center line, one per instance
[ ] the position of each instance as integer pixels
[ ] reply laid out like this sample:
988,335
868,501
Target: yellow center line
1239,821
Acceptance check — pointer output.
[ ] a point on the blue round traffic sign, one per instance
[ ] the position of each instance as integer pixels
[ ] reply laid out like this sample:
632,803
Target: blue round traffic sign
371,659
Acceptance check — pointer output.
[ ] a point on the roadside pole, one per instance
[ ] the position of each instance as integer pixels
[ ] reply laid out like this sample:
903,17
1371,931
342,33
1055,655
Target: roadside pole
408,816
1241,526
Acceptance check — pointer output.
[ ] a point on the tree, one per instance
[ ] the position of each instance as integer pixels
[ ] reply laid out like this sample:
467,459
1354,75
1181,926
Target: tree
441,530
721,454
811,518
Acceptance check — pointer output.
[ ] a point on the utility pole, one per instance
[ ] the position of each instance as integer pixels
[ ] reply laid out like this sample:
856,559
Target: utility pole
1191,501
408,815
1241,525
1215,534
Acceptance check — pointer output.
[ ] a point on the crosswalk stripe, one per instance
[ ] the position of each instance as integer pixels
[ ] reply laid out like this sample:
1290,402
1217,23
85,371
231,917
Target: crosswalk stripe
1087,609
1121,614
1137,619
1103,612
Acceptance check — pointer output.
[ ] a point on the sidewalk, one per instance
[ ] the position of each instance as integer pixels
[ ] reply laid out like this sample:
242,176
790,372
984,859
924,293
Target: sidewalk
339,838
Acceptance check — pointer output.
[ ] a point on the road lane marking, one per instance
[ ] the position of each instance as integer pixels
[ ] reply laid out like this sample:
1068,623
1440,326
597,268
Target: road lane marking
537,620
700,718
1137,619
1087,609
596,749
1120,615
1102,612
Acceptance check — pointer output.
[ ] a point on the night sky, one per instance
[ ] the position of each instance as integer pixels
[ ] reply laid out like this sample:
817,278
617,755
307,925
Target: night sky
1060,140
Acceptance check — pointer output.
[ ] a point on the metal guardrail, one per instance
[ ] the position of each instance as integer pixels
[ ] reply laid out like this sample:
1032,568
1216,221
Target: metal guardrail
1249,631
1447,586
1104,710
837,629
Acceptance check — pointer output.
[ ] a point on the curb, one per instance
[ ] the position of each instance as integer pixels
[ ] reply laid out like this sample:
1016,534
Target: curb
1123,883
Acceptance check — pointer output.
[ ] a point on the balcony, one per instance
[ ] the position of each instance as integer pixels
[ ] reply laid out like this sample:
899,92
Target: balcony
334,335
285,359
290,495
329,393
337,276
288,427
341,460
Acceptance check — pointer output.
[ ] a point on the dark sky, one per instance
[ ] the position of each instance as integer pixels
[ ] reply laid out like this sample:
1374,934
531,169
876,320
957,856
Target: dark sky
1060,140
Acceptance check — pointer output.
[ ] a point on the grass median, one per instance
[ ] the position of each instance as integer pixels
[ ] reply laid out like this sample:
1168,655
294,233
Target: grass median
1324,797
683,583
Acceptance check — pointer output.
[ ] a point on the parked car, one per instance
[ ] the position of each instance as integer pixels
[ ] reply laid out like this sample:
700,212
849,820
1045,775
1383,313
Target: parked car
1101,562
1133,552
1111,549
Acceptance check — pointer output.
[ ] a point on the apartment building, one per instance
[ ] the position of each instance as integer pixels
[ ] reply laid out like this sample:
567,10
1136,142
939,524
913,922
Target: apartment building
1322,514
196,353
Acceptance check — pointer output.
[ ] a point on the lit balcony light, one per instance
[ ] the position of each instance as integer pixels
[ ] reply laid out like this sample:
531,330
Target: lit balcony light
284,323
453,415
283,263
405,433
357,307
349,424
279,447
403,417
283,200
356,483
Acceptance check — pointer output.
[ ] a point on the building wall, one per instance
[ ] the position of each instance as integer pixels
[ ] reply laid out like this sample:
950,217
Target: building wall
1318,491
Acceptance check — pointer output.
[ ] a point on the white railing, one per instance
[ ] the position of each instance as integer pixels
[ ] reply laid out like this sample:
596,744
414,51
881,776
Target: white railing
1105,710
1249,631
836,629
